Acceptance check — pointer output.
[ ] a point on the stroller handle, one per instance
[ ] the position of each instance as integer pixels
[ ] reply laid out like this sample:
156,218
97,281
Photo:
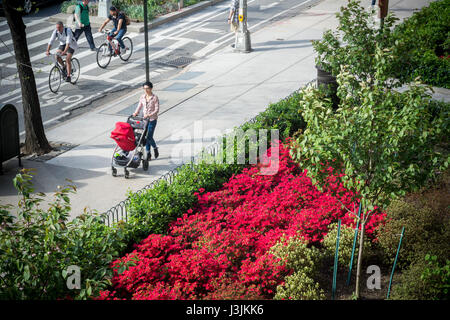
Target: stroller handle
135,118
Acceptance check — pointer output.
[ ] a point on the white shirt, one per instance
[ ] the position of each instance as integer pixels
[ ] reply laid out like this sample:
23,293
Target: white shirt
63,39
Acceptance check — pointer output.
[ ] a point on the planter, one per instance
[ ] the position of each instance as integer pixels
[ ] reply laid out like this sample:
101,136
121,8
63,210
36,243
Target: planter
327,80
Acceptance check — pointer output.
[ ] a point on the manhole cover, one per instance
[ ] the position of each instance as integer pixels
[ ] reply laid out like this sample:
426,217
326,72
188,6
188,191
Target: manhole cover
178,62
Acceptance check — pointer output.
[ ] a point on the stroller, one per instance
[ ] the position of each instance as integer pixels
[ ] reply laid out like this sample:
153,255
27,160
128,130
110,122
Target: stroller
130,138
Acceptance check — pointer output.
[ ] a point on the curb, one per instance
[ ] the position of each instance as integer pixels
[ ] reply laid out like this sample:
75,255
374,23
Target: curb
139,26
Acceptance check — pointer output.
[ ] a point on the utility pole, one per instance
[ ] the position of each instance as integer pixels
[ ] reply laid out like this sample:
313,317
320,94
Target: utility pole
147,64
242,42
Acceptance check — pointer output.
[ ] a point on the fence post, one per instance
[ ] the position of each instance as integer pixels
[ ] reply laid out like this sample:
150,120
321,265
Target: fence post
336,256
395,262
354,246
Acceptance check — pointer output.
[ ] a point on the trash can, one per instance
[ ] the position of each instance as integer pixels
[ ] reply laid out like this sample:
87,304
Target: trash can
9,134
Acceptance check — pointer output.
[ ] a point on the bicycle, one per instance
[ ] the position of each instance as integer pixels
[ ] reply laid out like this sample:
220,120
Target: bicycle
58,72
104,54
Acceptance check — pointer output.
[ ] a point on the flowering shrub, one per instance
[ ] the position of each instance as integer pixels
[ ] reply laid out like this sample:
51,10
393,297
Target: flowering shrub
303,261
221,248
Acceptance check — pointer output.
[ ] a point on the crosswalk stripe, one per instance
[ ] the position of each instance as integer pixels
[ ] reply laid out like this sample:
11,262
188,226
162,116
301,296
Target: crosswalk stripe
35,21
32,23
269,6
44,88
42,55
33,34
38,44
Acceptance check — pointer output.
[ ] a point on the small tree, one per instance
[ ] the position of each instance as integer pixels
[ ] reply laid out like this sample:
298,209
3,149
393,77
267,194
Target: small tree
354,44
383,141
35,139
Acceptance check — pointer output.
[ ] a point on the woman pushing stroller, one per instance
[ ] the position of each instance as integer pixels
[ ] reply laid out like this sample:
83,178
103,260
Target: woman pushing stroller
149,102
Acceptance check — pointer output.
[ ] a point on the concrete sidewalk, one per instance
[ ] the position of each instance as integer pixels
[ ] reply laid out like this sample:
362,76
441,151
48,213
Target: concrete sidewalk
210,96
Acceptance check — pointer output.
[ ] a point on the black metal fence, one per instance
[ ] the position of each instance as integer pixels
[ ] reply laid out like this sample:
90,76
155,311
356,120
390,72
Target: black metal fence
119,211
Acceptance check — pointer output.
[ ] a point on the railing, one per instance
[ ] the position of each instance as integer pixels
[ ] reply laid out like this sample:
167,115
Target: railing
119,211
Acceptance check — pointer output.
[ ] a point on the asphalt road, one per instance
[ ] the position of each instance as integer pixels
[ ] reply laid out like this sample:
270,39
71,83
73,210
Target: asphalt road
190,38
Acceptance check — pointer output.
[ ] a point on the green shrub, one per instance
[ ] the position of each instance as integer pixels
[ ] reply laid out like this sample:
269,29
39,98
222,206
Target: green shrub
303,261
427,230
426,218
345,244
299,286
437,277
425,279
134,8
284,115
66,4
37,246
425,45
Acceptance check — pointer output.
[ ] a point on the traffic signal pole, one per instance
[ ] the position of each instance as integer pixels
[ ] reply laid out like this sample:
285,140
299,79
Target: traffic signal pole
242,42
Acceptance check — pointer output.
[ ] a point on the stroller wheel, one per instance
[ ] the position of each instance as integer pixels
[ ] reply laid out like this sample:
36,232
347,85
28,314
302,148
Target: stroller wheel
145,165
127,173
114,172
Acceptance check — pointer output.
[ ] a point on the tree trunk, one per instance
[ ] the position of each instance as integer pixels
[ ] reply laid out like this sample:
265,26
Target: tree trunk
35,139
360,254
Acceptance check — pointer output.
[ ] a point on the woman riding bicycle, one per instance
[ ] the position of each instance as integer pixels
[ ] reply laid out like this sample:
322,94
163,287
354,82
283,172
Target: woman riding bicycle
120,27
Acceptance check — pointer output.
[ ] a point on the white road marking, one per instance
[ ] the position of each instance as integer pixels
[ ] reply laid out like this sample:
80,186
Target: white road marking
38,44
33,34
47,68
77,55
269,6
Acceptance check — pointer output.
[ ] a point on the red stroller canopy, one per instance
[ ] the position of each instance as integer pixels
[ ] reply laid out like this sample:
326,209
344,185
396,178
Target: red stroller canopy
123,135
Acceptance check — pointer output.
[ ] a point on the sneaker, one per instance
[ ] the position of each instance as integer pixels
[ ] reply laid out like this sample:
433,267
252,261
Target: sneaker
68,79
93,49
156,152
123,50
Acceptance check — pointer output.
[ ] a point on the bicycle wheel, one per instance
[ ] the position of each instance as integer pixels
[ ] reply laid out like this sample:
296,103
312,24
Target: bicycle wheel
128,49
54,79
75,71
103,56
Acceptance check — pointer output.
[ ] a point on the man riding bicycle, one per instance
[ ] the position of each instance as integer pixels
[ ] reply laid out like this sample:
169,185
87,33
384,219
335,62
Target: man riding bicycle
67,46
120,27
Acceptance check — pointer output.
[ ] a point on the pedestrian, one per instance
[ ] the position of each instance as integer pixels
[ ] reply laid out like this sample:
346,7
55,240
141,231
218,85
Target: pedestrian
233,17
83,24
149,102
